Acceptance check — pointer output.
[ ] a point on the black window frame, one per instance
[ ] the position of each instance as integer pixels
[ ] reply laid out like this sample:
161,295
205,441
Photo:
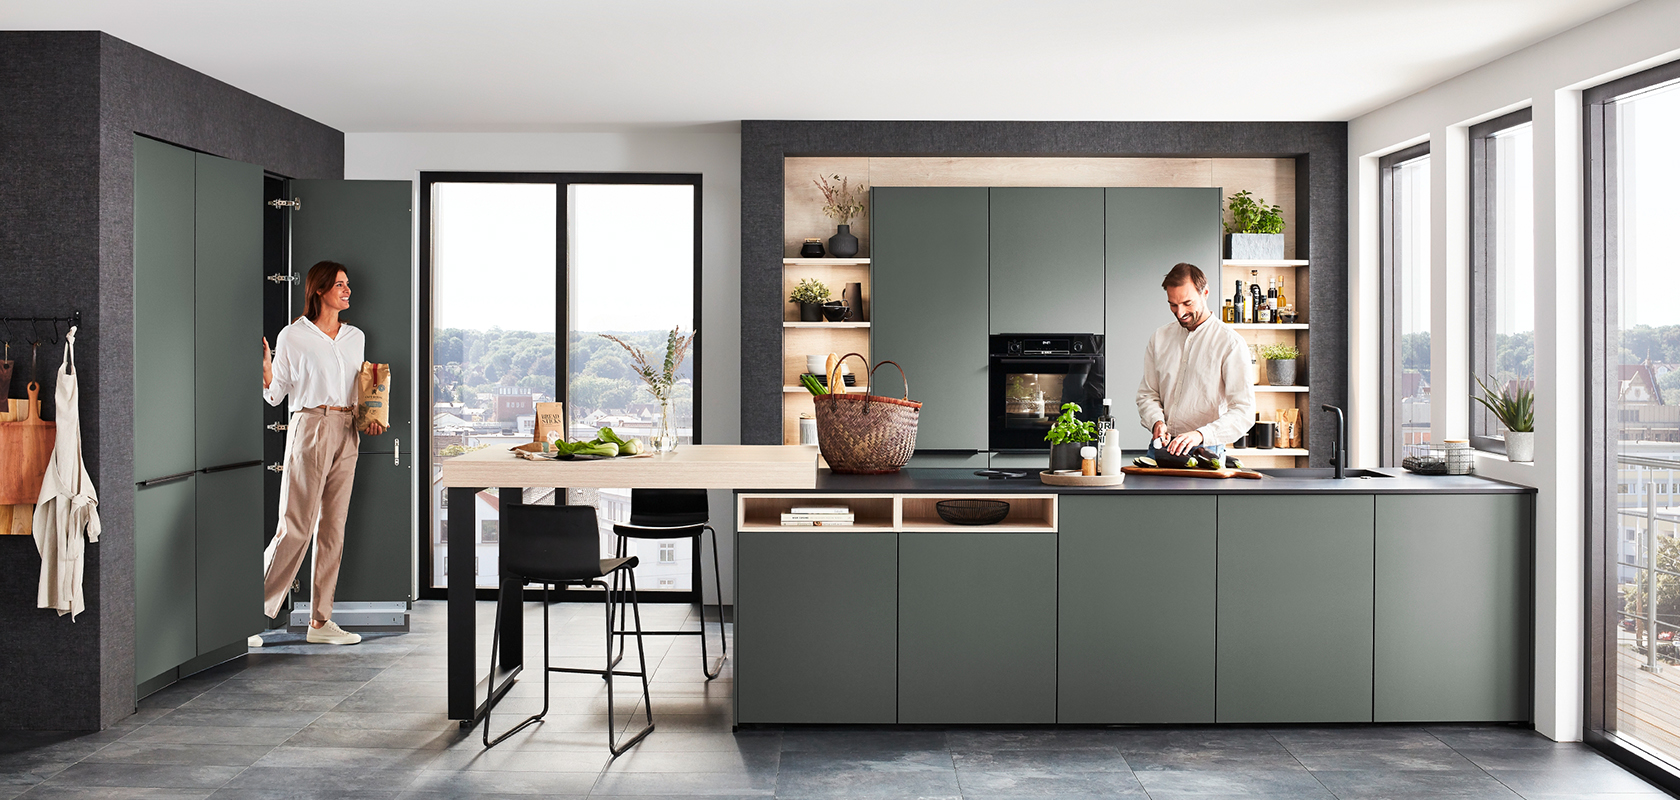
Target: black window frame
562,182
1389,445
1600,322
1484,279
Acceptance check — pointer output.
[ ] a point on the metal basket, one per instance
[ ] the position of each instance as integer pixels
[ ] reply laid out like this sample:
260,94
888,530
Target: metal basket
1439,458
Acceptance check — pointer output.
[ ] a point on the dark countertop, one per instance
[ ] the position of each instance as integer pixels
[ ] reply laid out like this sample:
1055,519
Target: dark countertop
964,481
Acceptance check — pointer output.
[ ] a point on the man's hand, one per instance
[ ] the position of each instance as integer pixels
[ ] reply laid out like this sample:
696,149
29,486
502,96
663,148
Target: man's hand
1158,432
1184,443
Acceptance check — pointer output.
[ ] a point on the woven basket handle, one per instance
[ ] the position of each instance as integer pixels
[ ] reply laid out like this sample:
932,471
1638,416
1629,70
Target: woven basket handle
901,376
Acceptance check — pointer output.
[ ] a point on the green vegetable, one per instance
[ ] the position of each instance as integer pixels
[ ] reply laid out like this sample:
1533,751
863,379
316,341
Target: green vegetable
586,448
607,435
630,448
811,384
1069,429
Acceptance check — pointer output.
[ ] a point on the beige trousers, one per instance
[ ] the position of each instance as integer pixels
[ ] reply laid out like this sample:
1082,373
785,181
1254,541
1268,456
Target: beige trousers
314,501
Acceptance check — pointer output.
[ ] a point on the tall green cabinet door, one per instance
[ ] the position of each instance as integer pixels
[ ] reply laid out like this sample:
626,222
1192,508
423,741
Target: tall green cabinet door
1136,609
1460,650
1047,260
165,577
367,227
815,614
977,628
228,556
1295,605
164,339
928,273
1148,231
228,311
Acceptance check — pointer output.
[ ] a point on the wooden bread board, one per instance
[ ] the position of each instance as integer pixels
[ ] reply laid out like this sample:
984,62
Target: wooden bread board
26,445
1193,473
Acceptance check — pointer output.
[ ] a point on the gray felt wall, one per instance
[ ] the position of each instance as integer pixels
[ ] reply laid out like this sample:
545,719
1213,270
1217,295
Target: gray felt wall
70,103
1319,150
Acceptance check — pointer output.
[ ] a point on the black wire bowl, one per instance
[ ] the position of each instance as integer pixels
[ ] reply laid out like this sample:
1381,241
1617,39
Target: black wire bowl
972,512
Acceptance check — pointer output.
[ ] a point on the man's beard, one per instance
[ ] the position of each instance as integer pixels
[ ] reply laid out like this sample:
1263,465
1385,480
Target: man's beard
1193,321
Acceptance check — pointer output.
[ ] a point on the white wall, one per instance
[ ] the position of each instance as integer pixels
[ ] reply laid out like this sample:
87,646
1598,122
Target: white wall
1549,77
715,155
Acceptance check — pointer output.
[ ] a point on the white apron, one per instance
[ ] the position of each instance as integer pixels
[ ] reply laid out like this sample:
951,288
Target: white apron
68,503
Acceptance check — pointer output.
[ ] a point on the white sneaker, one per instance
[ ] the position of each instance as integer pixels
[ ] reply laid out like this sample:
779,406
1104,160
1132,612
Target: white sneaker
254,641
330,633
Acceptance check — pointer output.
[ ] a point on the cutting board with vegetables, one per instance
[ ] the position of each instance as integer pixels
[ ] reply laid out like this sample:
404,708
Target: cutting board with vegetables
1193,473
26,444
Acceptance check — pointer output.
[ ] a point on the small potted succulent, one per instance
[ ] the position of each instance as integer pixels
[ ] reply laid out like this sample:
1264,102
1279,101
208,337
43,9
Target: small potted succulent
810,294
1514,407
1067,435
841,203
1255,232
1280,363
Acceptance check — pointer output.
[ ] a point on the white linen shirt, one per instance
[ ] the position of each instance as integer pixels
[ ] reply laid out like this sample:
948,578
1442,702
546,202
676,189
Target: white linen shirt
1197,381
313,368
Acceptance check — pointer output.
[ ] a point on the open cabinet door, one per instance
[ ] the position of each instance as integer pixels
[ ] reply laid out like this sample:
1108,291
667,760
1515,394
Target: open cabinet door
367,227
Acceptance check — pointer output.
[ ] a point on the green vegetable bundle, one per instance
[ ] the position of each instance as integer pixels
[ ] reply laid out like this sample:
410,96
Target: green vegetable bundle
606,443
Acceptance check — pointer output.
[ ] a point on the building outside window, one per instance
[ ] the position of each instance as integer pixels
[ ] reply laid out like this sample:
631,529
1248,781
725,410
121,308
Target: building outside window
1501,264
1405,288
667,552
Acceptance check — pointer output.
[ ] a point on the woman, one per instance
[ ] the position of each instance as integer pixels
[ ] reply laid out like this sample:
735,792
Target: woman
314,362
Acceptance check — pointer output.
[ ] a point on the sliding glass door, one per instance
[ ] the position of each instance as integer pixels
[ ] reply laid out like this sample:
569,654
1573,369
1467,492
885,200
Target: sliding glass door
511,266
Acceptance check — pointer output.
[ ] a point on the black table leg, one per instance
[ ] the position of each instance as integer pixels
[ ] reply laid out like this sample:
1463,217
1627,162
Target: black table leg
463,673
513,613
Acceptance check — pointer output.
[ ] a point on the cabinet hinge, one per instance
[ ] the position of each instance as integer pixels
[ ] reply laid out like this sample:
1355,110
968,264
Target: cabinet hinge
276,426
283,277
275,467
295,204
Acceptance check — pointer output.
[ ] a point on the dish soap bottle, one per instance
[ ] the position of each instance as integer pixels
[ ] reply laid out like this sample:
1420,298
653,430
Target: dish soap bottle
1109,459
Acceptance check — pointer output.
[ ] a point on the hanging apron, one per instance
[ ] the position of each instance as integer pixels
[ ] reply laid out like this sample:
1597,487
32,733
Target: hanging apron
68,503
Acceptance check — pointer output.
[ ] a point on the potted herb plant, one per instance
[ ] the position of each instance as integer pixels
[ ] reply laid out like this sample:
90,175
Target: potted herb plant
1255,232
1514,407
1067,435
841,203
810,294
1280,363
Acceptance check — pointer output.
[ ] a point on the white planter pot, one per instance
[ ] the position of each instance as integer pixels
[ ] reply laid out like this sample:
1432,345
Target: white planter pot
1519,446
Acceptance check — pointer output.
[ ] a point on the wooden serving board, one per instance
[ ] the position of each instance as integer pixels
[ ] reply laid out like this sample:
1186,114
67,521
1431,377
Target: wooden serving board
1193,473
26,445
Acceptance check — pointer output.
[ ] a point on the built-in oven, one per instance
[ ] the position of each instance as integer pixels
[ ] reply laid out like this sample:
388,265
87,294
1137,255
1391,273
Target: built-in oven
1031,375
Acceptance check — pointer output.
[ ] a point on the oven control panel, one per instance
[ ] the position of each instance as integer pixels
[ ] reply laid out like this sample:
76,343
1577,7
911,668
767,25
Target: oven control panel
1032,346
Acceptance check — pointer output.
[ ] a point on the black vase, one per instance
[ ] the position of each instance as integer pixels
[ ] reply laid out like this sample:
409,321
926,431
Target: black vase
812,249
843,244
1066,456
810,312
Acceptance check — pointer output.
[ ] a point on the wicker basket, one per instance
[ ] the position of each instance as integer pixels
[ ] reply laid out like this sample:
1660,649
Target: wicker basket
862,434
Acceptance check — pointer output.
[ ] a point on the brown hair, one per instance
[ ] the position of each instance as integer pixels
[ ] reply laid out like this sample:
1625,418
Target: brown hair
1183,273
321,277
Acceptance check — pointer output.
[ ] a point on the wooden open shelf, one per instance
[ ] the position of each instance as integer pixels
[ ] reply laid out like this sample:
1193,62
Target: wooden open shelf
849,389
759,512
1028,513
1265,388
1263,263
787,324
1249,326
825,262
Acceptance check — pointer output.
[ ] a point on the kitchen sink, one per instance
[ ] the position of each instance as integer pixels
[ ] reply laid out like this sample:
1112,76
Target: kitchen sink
1317,473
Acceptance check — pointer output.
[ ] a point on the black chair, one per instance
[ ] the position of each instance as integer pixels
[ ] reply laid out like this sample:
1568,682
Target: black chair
561,546
675,514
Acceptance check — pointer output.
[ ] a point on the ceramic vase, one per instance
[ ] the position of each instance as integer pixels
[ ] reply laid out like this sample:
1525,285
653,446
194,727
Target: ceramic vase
1519,446
843,244
1066,456
1280,371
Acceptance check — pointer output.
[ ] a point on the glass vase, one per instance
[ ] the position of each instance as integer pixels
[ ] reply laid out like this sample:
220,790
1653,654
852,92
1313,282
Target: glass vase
665,427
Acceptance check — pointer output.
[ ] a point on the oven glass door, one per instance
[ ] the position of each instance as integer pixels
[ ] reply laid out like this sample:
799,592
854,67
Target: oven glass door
1027,395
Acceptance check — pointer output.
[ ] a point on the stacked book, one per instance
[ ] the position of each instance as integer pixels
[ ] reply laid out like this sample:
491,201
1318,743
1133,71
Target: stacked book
817,516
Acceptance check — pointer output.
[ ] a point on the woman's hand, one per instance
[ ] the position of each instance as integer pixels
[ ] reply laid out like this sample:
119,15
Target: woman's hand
268,364
374,429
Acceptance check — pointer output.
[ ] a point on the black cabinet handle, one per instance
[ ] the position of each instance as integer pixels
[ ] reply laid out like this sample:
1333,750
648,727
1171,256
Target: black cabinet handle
179,476
226,467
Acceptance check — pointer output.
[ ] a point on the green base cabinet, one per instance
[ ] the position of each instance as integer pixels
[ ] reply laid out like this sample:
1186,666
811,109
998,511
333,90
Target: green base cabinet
1136,609
1452,608
977,628
815,617
1295,608
165,578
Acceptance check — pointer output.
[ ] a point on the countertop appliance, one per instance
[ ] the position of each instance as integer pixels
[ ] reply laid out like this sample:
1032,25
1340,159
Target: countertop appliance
1030,376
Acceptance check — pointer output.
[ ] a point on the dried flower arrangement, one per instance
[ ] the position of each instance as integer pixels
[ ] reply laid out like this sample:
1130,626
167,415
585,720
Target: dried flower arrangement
661,379
842,202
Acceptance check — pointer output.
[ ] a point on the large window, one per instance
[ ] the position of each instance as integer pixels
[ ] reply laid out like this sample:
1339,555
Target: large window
1501,263
514,265
1634,418
1405,282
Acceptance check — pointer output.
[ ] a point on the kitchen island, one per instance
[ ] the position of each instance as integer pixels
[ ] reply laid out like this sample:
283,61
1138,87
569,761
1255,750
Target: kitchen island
1163,600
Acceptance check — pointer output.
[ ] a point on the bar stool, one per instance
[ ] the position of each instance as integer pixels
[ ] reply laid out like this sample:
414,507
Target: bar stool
675,514
561,546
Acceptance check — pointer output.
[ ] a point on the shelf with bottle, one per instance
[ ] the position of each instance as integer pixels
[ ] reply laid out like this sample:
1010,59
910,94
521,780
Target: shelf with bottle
1263,263
1268,326
1252,304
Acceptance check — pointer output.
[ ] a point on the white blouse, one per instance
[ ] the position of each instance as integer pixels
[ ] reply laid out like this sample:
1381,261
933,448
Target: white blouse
1197,381
313,368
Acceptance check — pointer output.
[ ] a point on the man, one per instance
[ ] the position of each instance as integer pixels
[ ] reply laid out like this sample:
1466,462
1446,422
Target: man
1196,388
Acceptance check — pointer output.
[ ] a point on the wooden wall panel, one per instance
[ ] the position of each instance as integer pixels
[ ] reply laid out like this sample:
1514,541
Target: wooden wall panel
804,201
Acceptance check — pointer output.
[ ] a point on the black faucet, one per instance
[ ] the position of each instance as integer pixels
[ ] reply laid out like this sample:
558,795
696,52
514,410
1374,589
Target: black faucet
1338,459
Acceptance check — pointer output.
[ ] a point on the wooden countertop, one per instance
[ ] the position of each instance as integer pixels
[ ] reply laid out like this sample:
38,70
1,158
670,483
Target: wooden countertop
690,466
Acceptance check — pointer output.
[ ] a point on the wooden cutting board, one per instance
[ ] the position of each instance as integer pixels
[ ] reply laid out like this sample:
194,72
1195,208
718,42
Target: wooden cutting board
1193,473
26,444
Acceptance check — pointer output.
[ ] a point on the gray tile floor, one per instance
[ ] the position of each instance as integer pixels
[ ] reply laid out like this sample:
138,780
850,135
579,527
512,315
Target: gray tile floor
297,721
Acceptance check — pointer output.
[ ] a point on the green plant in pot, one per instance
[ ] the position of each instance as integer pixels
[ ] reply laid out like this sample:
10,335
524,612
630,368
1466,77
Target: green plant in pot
1255,232
1067,435
1280,363
1513,406
810,294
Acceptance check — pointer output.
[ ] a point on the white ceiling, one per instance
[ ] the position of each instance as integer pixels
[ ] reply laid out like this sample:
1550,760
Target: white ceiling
514,65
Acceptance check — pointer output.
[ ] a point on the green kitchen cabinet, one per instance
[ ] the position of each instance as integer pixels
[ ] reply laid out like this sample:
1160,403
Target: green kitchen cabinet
1047,269
164,338
165,577
376,535
977,628
1136,609
928,312
1452,608
227,312
1148,231
228,556
1295,608
815,617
